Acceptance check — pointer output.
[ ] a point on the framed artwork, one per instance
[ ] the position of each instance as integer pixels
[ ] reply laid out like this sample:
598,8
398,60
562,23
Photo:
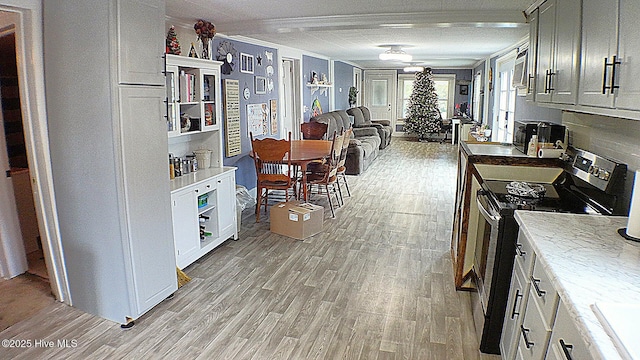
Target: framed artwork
246,63
258,119
232,137
464,89
260,85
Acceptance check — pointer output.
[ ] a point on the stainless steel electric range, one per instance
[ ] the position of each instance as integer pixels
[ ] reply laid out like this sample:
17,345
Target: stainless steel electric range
589,184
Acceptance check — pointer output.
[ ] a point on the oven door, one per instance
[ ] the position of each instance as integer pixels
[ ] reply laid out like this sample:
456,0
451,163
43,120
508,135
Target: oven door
486,243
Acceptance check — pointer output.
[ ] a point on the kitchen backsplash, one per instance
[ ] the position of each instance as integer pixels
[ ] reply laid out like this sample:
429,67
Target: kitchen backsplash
610,137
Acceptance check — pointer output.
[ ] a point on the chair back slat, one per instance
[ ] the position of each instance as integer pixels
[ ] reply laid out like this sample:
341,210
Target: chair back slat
272,159
314,130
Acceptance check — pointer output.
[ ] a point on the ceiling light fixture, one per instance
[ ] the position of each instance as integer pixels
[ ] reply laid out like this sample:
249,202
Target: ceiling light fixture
413,69
395,53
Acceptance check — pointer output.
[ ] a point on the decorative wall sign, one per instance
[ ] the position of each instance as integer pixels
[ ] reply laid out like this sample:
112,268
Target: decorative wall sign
273,106
246,63
258,119
261,85
232,117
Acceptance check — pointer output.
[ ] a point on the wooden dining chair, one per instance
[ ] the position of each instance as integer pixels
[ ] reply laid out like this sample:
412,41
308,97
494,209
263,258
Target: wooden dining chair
329,174
314,130
342,169
274,170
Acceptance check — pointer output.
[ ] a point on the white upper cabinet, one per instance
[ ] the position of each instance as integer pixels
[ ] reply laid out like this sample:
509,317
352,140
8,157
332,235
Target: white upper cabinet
532,56
558,49
629,54
140,42
599,52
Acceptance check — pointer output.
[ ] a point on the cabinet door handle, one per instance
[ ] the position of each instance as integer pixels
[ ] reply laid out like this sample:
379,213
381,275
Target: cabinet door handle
566,349
196,190
524,331
519,251
614,65
546,81
535,282
515,304
604,76
529,89
551,74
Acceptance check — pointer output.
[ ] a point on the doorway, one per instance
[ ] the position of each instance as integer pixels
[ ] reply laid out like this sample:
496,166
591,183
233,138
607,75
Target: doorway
290,99
14,153
23,19
505,100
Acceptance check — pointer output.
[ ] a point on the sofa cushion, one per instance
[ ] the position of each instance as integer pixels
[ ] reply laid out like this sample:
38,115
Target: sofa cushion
358,117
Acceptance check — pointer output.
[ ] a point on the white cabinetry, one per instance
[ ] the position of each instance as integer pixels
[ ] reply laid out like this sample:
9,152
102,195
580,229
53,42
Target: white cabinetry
193,95
558,51
566,342
204,213
532,55
108,151
610,54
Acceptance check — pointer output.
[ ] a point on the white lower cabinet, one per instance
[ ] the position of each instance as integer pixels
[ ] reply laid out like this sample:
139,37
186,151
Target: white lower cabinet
204,216
566,343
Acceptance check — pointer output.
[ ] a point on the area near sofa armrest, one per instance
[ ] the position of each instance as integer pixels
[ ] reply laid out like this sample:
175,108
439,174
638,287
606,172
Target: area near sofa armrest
382,122
365,131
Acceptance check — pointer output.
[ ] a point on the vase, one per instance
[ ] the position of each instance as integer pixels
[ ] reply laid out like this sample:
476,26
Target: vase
205,49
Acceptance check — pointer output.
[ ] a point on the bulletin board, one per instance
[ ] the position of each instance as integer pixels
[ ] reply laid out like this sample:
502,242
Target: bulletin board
232,136
258,119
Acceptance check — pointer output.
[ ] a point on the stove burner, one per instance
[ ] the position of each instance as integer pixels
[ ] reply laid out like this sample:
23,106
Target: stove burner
522,201
525,189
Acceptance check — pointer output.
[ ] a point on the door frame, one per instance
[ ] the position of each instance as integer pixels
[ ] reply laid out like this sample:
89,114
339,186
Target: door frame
503,61
291,97
29,45
358,83
370,75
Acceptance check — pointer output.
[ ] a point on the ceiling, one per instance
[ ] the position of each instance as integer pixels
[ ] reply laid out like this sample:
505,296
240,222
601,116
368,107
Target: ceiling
438,33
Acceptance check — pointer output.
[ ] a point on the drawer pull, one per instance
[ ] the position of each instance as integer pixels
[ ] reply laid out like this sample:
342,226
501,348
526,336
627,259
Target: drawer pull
515,304
535,282
519,250
524,331
566,349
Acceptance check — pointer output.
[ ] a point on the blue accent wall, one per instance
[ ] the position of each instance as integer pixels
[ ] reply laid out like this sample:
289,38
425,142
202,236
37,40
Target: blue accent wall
246,174
461,74
342,81
310,65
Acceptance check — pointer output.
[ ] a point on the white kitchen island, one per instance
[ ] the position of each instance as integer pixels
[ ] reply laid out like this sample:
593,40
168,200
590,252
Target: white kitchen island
587,263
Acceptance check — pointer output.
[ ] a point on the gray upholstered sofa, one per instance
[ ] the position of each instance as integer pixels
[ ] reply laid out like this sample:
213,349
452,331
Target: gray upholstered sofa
363,146
362,118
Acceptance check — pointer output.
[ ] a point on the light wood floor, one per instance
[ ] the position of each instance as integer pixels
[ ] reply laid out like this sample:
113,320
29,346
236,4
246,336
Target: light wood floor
377,283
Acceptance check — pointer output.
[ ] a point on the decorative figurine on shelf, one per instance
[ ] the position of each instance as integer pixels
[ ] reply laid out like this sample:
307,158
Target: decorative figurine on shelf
192,52
205,32
324,79
173,46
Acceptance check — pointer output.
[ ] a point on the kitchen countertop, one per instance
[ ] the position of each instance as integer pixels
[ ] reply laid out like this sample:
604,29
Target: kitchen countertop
587,262
492,149
198,176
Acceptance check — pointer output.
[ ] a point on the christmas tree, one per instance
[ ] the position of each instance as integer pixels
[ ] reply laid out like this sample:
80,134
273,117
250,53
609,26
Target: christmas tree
173,46
424,116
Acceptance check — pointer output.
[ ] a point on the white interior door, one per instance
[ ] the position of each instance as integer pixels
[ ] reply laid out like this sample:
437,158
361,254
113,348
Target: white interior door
289,100
357,82
505,102
380,94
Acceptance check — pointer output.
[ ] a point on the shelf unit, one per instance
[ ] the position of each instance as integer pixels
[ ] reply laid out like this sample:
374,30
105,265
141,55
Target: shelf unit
193,95
322,87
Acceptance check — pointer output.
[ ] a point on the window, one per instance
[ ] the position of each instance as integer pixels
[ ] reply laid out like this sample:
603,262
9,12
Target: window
477,97
505,100
444,86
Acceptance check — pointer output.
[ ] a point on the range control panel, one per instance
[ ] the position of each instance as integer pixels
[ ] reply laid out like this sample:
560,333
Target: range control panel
596,170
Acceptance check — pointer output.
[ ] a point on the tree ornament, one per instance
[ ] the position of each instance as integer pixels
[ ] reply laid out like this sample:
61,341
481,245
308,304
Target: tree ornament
424,114
173,46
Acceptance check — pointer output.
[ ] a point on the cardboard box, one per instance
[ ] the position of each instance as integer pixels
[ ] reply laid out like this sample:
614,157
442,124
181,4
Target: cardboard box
296,219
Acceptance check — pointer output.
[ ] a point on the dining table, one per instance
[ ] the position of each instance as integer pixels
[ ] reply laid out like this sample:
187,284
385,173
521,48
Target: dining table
304,152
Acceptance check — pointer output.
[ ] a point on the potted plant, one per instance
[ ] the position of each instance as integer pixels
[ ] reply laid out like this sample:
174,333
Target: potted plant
353,96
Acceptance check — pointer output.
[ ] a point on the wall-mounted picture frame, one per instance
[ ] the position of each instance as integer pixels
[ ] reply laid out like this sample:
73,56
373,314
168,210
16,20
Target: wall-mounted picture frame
464,89
246,63
260,85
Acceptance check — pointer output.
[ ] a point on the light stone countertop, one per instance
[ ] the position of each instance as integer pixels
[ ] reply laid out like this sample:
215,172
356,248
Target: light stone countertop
201,175
493,149
587,262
